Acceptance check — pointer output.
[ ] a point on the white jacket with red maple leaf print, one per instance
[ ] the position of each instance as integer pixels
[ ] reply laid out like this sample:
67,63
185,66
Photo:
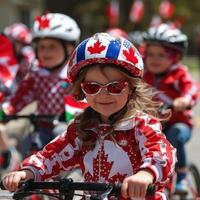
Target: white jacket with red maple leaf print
138,143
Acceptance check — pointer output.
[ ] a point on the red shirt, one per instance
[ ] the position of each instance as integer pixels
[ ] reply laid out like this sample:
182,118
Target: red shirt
47,88
138,143
177,82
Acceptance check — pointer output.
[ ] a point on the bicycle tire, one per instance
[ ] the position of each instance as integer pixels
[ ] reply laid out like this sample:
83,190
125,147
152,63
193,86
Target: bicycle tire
193,170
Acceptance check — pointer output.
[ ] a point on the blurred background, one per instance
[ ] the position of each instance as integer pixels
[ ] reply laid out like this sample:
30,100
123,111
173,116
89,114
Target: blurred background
99,15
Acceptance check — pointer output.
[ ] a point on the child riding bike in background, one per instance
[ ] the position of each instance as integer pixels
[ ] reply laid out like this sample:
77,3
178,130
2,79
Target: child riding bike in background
55,36
10,76
165,47
15,50
118,137
21,38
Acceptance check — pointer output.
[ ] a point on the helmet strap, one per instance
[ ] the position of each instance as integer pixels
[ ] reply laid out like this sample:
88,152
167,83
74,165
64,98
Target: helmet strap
54,68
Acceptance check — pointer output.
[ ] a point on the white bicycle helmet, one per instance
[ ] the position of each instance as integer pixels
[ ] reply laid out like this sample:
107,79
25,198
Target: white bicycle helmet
19,32
168,36
136,37
56,25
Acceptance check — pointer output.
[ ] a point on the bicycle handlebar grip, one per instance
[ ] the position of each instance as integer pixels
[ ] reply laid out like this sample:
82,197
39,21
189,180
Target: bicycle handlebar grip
151,190
2,186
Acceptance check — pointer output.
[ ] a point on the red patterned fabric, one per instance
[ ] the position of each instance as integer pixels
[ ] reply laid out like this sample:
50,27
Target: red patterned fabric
8,61
28,56
176,83
138,143
44,87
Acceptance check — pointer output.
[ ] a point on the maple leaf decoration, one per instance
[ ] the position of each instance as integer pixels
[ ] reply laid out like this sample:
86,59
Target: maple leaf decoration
130,55
96,48
43,22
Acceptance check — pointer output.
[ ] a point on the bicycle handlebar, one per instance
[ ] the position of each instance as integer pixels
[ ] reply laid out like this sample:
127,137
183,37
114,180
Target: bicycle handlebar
32,117
67,185
165,106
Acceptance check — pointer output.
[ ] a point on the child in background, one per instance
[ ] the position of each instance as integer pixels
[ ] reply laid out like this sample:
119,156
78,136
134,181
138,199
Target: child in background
21,38
10,76
55,36
118,137
165,47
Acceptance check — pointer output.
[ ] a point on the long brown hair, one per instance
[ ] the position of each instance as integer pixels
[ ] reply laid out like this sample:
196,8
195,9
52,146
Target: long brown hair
142,99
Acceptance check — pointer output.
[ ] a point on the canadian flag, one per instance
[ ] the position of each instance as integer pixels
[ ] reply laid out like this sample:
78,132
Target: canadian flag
112,12
166,9
137,11
8,62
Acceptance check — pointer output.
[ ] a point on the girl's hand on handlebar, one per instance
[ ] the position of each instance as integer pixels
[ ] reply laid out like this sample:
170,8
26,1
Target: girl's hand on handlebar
181,104
11,180
135,186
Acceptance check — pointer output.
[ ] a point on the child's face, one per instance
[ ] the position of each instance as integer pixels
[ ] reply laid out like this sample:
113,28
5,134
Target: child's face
50,52
104,103
157,59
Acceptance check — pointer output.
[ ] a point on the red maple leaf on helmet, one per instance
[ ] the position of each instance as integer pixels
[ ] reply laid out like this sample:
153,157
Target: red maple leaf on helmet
130,56
43,22
96,48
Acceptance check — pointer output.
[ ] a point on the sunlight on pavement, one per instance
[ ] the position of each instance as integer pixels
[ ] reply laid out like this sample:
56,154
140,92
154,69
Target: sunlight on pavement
197,121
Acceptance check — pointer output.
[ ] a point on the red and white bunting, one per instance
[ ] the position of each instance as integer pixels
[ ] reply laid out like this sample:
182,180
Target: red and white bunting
137,11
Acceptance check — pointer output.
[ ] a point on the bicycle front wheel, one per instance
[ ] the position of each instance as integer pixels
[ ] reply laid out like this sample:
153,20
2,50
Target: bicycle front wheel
194,181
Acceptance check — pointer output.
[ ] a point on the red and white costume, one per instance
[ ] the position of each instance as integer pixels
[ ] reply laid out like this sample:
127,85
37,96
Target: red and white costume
26,62
175,83
43,86
138,143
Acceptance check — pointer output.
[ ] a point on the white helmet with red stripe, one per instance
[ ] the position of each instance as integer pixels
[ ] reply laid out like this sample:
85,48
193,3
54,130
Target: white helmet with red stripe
56,25
19,32
104,48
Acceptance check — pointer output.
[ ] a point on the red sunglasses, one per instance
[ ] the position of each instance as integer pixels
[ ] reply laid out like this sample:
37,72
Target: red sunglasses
113,88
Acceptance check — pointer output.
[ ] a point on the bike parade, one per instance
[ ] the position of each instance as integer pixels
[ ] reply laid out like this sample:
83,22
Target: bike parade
112,110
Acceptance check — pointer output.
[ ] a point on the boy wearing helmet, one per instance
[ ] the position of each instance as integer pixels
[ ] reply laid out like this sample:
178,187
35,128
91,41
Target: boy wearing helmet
55,36
116,138
165,46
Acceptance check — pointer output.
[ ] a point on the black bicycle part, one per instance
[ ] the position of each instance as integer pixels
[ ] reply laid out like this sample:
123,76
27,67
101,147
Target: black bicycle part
67,188
196,177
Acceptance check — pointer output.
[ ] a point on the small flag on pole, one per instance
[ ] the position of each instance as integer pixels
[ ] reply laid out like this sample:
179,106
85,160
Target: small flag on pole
112,12
72,107
137,11
166,9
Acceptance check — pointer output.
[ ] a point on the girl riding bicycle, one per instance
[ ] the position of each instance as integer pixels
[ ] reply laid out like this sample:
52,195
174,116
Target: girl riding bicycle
118,137
21,38
55,36
165,46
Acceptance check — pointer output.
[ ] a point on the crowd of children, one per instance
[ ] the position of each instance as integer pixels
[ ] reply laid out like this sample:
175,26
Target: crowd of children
55,36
